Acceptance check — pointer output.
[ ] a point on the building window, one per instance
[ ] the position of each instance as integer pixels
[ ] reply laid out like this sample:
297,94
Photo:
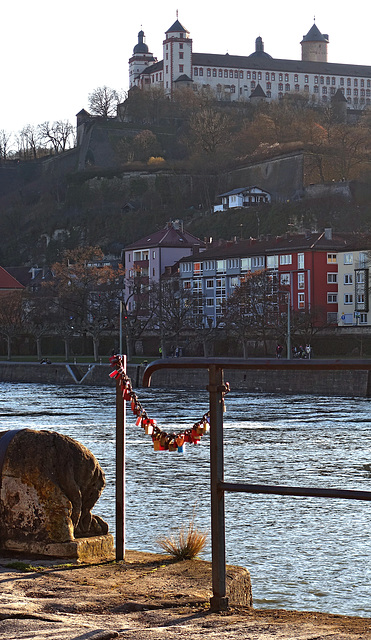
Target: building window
214,73
287,87
181,45
209,284
272,262
253,84
232,263
301,300
296,79
181,55
197,267
286,259
245,264
269,94
285,279
301,281
269,85
315,79
286,77
333,80
280,77
267,76
332,278
167,69
254,75
348,298
349,82
332,317
315,89
363,318
280,87
331,258
341,82
300,260
348,258
297,87
186,284
220,265
181,68
209,302
328,80
324,90
201,72
322,80
248,75
258,261
273,76
220,73
236,74
332,298
306,79
226,73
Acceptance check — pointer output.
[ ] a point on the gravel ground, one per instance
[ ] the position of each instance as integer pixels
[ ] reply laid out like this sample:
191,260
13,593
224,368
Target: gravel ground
145,598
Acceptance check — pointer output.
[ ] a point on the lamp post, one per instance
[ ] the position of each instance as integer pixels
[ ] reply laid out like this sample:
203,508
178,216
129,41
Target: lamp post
120,344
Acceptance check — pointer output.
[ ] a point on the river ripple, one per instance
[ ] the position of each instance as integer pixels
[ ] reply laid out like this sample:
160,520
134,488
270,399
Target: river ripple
308,554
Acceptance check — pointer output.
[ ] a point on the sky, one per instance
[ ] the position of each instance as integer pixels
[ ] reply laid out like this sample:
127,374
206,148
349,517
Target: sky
56,53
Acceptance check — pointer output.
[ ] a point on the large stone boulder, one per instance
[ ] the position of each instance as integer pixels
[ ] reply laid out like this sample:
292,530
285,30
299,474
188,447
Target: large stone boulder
48,485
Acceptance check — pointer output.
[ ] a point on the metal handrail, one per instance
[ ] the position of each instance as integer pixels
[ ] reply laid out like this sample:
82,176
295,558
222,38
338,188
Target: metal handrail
219,600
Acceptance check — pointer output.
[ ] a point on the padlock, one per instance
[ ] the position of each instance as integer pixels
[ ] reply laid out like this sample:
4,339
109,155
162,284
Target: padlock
181,448
157,446
148,429
173,445
138,421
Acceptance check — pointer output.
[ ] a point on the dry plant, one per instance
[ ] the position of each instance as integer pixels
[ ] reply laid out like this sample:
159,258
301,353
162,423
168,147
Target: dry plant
187,544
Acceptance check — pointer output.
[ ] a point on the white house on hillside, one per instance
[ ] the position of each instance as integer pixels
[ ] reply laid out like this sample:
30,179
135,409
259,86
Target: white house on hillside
242,197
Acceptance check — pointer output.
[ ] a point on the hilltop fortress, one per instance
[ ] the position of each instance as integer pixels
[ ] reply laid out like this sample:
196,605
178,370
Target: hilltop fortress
257,76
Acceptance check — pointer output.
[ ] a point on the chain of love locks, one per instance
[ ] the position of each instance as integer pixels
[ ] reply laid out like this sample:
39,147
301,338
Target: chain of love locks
162,440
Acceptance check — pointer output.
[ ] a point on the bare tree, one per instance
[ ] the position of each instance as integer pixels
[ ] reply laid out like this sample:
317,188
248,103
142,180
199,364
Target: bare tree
59,134
103,101
31,140
11,318
4,144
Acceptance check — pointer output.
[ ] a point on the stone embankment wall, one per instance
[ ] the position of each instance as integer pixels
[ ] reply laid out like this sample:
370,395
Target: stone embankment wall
332,383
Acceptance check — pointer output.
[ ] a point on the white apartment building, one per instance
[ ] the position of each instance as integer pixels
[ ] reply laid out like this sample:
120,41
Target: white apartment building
257,75
353,280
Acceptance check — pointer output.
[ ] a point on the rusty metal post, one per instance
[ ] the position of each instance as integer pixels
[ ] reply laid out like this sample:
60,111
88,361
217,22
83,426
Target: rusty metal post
120,469
219,601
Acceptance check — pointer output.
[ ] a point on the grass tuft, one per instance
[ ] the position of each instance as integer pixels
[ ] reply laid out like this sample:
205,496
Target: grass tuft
186,545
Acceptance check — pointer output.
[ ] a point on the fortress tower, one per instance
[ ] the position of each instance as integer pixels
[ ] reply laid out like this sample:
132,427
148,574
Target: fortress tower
177,48
314,46
140,59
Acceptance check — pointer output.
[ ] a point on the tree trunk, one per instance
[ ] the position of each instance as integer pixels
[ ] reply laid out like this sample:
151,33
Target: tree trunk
96,348
9,347
38,348
245,350
66,349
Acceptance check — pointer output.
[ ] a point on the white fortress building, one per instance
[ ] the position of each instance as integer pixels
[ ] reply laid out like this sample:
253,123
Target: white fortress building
257,76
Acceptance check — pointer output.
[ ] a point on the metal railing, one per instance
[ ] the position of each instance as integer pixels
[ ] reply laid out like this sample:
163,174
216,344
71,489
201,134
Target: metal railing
216,388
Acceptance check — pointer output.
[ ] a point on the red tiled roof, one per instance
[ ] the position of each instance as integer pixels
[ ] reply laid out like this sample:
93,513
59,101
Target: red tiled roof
8,282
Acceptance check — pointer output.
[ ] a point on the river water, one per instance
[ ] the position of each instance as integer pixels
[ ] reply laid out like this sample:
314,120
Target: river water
302,553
